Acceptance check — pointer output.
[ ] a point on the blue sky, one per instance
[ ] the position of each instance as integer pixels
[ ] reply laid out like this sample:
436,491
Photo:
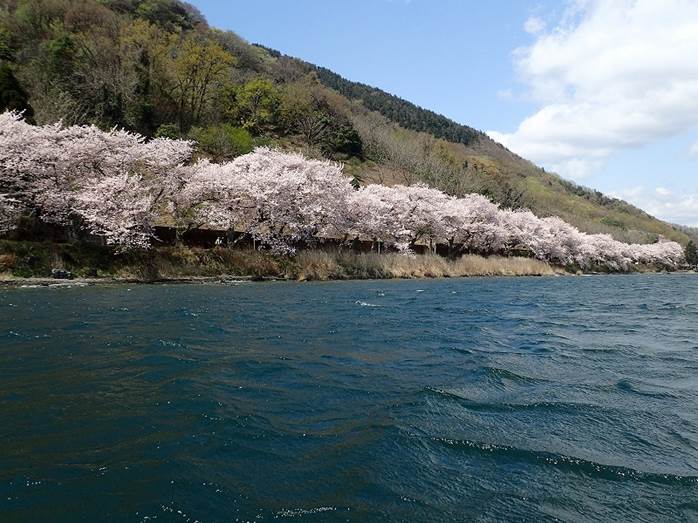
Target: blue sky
603,92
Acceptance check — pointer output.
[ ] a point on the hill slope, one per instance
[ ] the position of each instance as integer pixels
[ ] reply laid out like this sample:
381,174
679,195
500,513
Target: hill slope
156,67
545,193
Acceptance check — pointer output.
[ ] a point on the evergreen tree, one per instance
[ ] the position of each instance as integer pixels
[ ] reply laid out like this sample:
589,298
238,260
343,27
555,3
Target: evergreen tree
691,253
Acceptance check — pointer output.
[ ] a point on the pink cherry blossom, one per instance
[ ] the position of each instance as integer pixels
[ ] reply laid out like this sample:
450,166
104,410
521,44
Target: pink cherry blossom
118,185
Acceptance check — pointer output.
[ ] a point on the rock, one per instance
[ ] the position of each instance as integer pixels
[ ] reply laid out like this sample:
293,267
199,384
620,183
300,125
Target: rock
61,274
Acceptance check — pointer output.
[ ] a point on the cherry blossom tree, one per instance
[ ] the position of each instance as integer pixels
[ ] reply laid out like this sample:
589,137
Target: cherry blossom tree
213,195
551,239
481,230
8,214
399,215
295,199
118,185
46,169
119,209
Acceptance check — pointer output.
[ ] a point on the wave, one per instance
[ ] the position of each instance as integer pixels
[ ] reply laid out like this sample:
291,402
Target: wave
547,406
499,374
366,304
295,512
628,386
568,463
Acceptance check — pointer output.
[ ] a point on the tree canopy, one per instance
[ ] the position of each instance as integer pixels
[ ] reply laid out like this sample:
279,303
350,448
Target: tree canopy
119,185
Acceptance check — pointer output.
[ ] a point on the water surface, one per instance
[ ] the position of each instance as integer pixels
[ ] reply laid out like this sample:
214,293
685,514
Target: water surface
497,399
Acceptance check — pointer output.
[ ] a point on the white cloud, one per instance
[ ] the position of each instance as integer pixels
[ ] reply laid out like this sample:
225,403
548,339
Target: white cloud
681,209
693,151
611,75
505,94
534,25
663,203
629,193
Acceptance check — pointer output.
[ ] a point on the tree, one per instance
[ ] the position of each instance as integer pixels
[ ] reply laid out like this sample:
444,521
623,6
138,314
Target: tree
399,215
8,214
190,68
114,183
120,208
296,103
472,223
168,130
691,253
171,15
213,195
254,105
296,199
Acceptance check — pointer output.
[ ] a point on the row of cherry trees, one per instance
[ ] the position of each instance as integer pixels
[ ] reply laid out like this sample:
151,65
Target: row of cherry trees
119,186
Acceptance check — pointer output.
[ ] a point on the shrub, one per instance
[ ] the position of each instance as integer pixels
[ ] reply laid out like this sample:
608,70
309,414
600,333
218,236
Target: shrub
222,142
168,130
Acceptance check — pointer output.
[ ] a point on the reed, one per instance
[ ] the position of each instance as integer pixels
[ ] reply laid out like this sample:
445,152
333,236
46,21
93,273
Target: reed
322,265
36,259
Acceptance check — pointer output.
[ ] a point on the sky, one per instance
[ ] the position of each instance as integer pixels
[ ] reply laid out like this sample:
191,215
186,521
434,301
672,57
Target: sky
605,93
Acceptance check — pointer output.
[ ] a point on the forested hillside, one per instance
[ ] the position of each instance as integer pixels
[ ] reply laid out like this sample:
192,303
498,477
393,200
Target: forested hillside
156,67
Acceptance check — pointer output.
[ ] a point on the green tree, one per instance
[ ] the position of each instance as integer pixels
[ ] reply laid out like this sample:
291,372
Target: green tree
190,69
255,105
6,51
691,253
222,142
342,139
168,130
296,103
171,15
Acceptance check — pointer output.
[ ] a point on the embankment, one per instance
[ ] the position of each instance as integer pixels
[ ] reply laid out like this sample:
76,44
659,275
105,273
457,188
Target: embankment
21,260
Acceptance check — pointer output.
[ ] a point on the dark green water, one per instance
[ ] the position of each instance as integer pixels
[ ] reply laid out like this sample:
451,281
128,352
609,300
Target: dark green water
455,400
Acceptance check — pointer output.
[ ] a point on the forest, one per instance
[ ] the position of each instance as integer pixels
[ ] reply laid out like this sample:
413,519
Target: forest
156,68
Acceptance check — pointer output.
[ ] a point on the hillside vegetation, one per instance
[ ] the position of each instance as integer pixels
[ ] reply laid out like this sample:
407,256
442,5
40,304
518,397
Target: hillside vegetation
157,68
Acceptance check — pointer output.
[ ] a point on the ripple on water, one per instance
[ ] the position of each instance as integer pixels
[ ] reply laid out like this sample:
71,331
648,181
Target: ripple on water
448,400
569,463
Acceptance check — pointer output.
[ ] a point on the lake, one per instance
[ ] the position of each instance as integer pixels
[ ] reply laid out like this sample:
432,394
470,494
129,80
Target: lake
500,399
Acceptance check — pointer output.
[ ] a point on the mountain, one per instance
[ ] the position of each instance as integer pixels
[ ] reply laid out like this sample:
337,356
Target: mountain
502,173
158,68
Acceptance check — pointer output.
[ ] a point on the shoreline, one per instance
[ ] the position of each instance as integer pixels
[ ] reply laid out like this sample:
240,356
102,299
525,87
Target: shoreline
34,264
226,280
232,279
45,263
84,282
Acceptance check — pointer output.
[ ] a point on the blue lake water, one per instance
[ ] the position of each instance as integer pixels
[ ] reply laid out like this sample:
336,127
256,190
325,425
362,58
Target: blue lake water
499,399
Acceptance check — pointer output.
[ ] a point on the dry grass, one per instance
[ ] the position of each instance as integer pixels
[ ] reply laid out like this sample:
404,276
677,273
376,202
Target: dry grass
185,262
7,261
29,259
502,266
320,265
